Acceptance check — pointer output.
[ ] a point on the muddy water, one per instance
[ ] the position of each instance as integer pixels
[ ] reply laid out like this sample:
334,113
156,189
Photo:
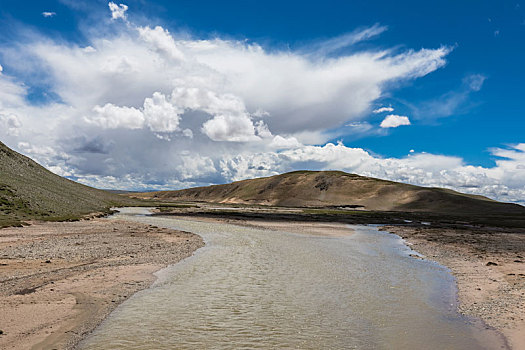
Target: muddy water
259,289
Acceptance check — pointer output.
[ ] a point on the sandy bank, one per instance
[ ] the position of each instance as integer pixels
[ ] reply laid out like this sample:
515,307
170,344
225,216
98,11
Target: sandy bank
327,229
59,280
489,266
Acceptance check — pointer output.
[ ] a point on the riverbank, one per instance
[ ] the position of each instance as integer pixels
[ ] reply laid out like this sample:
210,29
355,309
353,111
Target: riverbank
327,229
489,267
59,280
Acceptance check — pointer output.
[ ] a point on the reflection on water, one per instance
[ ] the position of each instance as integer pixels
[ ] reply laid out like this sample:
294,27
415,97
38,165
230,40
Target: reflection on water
251,288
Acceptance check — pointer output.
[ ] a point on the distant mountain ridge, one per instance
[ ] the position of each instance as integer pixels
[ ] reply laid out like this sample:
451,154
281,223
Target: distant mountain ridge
28,191
337,188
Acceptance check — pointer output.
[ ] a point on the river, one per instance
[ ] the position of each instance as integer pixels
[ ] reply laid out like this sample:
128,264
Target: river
252,288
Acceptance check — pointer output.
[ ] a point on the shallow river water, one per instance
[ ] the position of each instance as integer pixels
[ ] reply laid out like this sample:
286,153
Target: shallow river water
259,289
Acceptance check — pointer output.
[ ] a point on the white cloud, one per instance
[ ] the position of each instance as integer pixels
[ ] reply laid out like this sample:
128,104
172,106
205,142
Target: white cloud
208,101
11,93
48,14
260,113
161,40
333,45
10,124
117,11
261,129
338,89
158,114
383,109
111,117
161,115
289,87
280,142
230,128
48,156
195,166
393,121
231,121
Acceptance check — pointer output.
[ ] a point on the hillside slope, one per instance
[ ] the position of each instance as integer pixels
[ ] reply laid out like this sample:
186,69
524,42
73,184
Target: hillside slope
336,188
28,191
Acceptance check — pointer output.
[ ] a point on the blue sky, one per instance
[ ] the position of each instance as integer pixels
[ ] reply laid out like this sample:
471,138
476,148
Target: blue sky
453,69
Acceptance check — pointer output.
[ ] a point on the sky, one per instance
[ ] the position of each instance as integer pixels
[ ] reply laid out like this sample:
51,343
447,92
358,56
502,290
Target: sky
150,95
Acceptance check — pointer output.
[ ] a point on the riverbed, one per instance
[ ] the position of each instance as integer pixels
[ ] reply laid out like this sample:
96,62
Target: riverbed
253,288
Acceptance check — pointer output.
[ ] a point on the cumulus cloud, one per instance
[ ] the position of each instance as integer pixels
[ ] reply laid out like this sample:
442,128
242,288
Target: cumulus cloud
208,101
393,121
160,114
280,142
290,89
195,166
161,40
382,110
146,108
48,14
338,89
117,11
157,114
230,122
110,116
230,128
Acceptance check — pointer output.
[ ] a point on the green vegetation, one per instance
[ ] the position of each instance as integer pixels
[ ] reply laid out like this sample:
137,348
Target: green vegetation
30,192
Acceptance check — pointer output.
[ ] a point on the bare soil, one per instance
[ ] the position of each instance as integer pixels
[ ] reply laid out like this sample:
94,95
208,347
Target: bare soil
59,280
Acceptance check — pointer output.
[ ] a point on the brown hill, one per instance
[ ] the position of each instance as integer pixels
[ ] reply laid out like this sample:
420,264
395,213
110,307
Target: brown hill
28,191
336,188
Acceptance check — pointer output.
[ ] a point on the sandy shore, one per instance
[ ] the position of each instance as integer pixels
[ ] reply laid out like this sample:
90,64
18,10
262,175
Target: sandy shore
328,229
58,281
489,266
